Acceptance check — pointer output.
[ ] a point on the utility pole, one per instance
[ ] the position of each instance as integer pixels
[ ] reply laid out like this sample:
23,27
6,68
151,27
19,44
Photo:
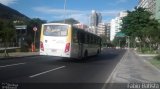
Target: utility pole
34,43
64,11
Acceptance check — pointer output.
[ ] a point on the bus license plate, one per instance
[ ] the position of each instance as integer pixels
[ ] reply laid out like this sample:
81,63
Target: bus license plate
53,50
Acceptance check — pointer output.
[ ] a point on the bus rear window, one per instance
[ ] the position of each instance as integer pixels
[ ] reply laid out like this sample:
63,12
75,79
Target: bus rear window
55,30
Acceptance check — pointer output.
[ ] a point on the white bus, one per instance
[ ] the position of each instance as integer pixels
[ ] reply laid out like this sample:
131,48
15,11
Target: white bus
65,40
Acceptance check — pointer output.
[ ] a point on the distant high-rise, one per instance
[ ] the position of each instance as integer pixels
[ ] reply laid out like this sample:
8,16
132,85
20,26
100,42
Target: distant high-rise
149,5
99,18
95,19
108,28
101,29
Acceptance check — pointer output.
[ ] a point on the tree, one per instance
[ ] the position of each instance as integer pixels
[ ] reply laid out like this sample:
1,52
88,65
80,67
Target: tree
120,40
140,24
7,33
104,40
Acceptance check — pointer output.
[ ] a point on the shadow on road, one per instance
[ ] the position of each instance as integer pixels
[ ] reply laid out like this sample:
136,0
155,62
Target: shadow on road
101,57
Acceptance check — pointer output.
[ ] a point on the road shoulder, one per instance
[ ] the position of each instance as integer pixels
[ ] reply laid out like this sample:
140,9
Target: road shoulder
19,55
132,69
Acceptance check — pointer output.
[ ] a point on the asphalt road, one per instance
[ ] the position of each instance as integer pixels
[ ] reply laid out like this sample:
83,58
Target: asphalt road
46,72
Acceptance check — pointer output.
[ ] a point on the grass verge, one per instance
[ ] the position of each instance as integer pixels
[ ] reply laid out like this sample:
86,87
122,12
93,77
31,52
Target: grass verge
156,61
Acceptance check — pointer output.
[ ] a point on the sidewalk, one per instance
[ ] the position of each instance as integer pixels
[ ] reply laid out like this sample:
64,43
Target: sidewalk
19,54
133,69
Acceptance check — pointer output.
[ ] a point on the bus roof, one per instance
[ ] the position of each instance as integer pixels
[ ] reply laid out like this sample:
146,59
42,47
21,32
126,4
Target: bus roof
56,24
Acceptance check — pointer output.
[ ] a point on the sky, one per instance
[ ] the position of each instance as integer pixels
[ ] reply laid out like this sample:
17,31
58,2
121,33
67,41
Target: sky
53,10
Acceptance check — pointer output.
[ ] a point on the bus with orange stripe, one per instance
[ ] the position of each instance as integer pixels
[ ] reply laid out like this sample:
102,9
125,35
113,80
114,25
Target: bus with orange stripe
65,40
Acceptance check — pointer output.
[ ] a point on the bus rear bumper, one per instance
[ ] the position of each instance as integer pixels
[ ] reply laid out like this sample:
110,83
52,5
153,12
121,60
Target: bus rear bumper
57,55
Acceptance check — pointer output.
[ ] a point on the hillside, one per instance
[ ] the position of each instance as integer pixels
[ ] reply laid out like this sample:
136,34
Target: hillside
9,13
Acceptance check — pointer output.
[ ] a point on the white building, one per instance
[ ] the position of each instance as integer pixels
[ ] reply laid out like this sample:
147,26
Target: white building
143,3
101,29
92,29
149,5
95,19
116,24
112,32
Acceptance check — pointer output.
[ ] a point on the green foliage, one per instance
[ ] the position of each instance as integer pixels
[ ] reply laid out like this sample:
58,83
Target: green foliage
119,41
156,61
140,24
147,50
134,23
157,57
104,40
7,31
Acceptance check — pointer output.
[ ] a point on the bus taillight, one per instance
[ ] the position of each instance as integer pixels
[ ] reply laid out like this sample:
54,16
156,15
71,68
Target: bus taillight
41,46
67,47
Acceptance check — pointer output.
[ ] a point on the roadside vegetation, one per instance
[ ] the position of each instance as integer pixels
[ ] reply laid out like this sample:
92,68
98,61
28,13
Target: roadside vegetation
156,61
9,36
143,31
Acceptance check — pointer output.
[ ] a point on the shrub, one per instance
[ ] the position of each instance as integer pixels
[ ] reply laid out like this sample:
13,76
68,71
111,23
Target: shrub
146,50
157,57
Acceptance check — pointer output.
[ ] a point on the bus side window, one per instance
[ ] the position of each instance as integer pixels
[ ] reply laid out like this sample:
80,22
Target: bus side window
82,36
79,36
90,40
75,39
86,38
94,38
99,41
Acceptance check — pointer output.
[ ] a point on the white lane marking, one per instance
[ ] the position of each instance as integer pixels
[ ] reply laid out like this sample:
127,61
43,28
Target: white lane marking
12,65
46,71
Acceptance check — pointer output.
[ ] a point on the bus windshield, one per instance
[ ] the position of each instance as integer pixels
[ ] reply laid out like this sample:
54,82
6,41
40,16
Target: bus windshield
55,30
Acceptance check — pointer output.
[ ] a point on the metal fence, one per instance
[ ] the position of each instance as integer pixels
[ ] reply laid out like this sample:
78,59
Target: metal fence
9,44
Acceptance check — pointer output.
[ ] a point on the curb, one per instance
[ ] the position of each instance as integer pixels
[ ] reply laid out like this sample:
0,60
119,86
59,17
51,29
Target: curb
146,61
10,57
152,65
